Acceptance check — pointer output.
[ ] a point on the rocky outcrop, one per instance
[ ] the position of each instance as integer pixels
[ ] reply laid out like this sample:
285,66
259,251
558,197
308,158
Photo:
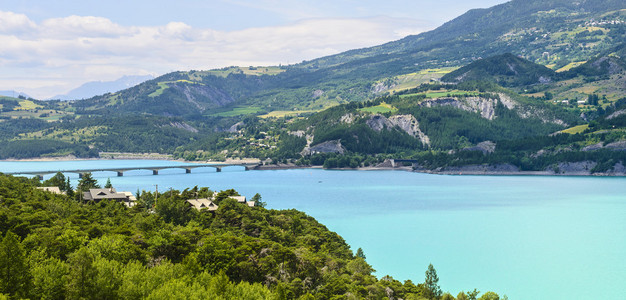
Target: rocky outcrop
347,118
325,147
574,168
184,126
235,127
615,146
378,123
485,107
317,94
616,114
484,147
528,112
406,123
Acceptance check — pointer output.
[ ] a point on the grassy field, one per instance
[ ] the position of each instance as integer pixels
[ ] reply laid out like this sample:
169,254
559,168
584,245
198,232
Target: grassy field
379,109
238,111
162,87
255,71
445,93
576,129
27,105
286,113
412,80
570,66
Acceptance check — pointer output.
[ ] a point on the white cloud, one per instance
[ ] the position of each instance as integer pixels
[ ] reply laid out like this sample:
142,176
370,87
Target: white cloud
66,52
15,23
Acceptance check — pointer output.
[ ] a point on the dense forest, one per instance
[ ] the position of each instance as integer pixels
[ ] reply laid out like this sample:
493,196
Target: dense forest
55,247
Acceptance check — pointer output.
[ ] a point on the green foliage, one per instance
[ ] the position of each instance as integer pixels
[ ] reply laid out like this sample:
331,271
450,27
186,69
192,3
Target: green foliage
107,251
87,182
433,291
505,70
14,271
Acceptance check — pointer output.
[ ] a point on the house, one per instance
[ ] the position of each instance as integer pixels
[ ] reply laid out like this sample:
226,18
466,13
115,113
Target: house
96,195
51,189
203,203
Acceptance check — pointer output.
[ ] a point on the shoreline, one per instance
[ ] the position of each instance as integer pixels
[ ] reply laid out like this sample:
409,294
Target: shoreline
382,167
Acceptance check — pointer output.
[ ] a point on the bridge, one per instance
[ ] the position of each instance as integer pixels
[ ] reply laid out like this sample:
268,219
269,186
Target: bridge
120,170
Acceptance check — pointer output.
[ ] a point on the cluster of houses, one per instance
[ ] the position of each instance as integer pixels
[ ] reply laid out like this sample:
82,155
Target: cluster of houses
128,199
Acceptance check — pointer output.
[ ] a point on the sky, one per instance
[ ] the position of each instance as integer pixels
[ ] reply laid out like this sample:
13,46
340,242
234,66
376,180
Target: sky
50,47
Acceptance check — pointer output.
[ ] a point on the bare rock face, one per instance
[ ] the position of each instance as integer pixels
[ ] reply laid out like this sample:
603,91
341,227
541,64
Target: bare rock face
485,107
325,147
317,94
406,123
184,126
409,124
615,146
577,168
347,118
592,147
484,147
378,123
616,114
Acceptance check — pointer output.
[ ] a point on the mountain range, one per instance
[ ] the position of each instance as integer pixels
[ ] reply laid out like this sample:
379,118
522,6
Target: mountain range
94,88
488,80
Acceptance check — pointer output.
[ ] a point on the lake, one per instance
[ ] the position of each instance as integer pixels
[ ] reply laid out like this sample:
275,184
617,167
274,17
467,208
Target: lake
529,237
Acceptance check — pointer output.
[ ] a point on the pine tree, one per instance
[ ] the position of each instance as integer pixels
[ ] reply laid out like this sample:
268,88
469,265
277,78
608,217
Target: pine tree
359,253
87,182
14,272
108,185
431,283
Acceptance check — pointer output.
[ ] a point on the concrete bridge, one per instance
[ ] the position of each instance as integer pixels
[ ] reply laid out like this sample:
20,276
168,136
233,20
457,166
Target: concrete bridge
120,170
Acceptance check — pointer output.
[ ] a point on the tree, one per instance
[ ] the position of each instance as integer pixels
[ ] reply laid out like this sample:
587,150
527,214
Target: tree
473,294
82,274
57,180
108,185
359,253
68,188
14,273
87,182
431,283
258,200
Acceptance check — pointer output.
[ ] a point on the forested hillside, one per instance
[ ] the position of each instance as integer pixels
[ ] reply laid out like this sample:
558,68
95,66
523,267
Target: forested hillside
558,71
54,247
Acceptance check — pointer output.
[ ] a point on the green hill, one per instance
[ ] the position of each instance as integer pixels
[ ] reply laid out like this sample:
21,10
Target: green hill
506,70
553,33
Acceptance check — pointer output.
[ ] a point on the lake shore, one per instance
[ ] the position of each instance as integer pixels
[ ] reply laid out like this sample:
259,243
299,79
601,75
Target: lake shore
573,169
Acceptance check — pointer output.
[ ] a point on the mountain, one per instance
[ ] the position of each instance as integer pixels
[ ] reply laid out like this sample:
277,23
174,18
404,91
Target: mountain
520,75
94,88
554,33
13,94
506,70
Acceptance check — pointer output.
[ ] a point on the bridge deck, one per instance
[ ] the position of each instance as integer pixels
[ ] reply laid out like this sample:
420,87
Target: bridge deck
121,170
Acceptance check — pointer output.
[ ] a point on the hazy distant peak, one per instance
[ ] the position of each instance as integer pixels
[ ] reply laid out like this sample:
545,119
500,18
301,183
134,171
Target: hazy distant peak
95,88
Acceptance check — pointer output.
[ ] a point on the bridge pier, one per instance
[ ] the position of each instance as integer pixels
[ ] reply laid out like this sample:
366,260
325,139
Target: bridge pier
246,168
393,163
155,172
218,169
120,174
187,171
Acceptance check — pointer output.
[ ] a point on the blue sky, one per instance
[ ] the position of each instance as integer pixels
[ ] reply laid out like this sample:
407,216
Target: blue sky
50,47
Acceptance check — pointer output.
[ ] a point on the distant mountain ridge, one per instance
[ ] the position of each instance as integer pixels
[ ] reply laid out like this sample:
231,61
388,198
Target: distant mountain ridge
13,94
94,88
554,32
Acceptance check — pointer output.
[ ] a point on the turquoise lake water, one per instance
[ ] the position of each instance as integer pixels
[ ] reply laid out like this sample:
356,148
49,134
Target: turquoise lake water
529,237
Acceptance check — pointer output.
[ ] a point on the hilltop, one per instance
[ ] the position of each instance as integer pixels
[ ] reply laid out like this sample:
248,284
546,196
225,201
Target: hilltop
527,84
